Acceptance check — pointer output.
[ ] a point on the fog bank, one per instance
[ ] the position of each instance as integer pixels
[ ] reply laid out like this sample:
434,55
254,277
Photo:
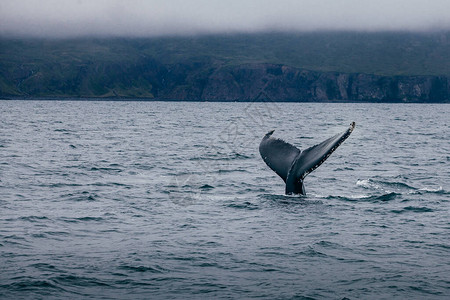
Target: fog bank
69,18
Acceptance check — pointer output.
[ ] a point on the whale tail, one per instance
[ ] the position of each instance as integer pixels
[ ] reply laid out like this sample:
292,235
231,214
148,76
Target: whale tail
292,164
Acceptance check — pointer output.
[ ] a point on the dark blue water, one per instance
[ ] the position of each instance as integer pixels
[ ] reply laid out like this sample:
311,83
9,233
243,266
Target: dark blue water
160,200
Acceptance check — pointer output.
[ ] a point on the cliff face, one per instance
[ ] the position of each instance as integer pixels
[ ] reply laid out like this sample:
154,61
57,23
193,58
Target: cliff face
282,83
333,66
208,82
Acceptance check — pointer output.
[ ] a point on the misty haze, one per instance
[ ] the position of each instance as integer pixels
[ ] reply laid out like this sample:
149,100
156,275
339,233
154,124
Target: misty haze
68,18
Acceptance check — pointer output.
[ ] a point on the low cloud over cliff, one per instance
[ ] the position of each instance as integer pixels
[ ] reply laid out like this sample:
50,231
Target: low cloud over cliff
69,18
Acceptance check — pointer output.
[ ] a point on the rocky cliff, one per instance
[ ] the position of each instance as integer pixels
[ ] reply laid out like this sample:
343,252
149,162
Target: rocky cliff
372,67
278,82
250,82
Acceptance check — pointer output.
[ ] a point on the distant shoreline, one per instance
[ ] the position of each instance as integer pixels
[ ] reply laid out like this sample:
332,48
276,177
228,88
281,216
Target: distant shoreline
340,67
93,99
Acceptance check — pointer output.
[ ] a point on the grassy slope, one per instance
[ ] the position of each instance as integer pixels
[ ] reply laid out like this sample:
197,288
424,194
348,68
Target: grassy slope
373,53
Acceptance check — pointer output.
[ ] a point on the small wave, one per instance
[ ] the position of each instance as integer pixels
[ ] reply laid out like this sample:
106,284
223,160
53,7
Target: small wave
188,226
98,219
141,269
208,157
398,185
82,219
344,169
220,171
373,198
105,169
236,155
221,157
366,183
208,265
83,196
30,284
185,198
62,130
385,197
416,209
206,187
280,196
57,233
311,252
15,240
43,266
39,235
33,218
424,290
438,190
109,184
443,246
277,199
328,244
245,205
60,184
14,237
379,184
77,281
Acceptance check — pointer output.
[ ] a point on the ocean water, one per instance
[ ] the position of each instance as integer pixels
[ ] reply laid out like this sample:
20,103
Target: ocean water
171,200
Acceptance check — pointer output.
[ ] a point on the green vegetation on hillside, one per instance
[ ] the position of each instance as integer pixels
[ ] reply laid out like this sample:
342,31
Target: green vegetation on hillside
132,67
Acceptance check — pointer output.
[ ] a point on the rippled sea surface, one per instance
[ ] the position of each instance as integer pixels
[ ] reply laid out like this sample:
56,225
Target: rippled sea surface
171,200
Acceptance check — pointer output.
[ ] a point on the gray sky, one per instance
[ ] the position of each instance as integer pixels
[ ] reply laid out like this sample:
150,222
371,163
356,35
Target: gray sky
63,18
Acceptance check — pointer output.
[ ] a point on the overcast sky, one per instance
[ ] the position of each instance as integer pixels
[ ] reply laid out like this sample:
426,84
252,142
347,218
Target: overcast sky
68,18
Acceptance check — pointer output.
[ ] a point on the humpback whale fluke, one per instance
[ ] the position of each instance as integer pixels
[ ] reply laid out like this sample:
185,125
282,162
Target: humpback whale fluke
293,165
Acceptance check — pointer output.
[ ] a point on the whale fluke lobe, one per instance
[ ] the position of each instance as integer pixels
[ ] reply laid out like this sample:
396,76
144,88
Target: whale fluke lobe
292,164
278,154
